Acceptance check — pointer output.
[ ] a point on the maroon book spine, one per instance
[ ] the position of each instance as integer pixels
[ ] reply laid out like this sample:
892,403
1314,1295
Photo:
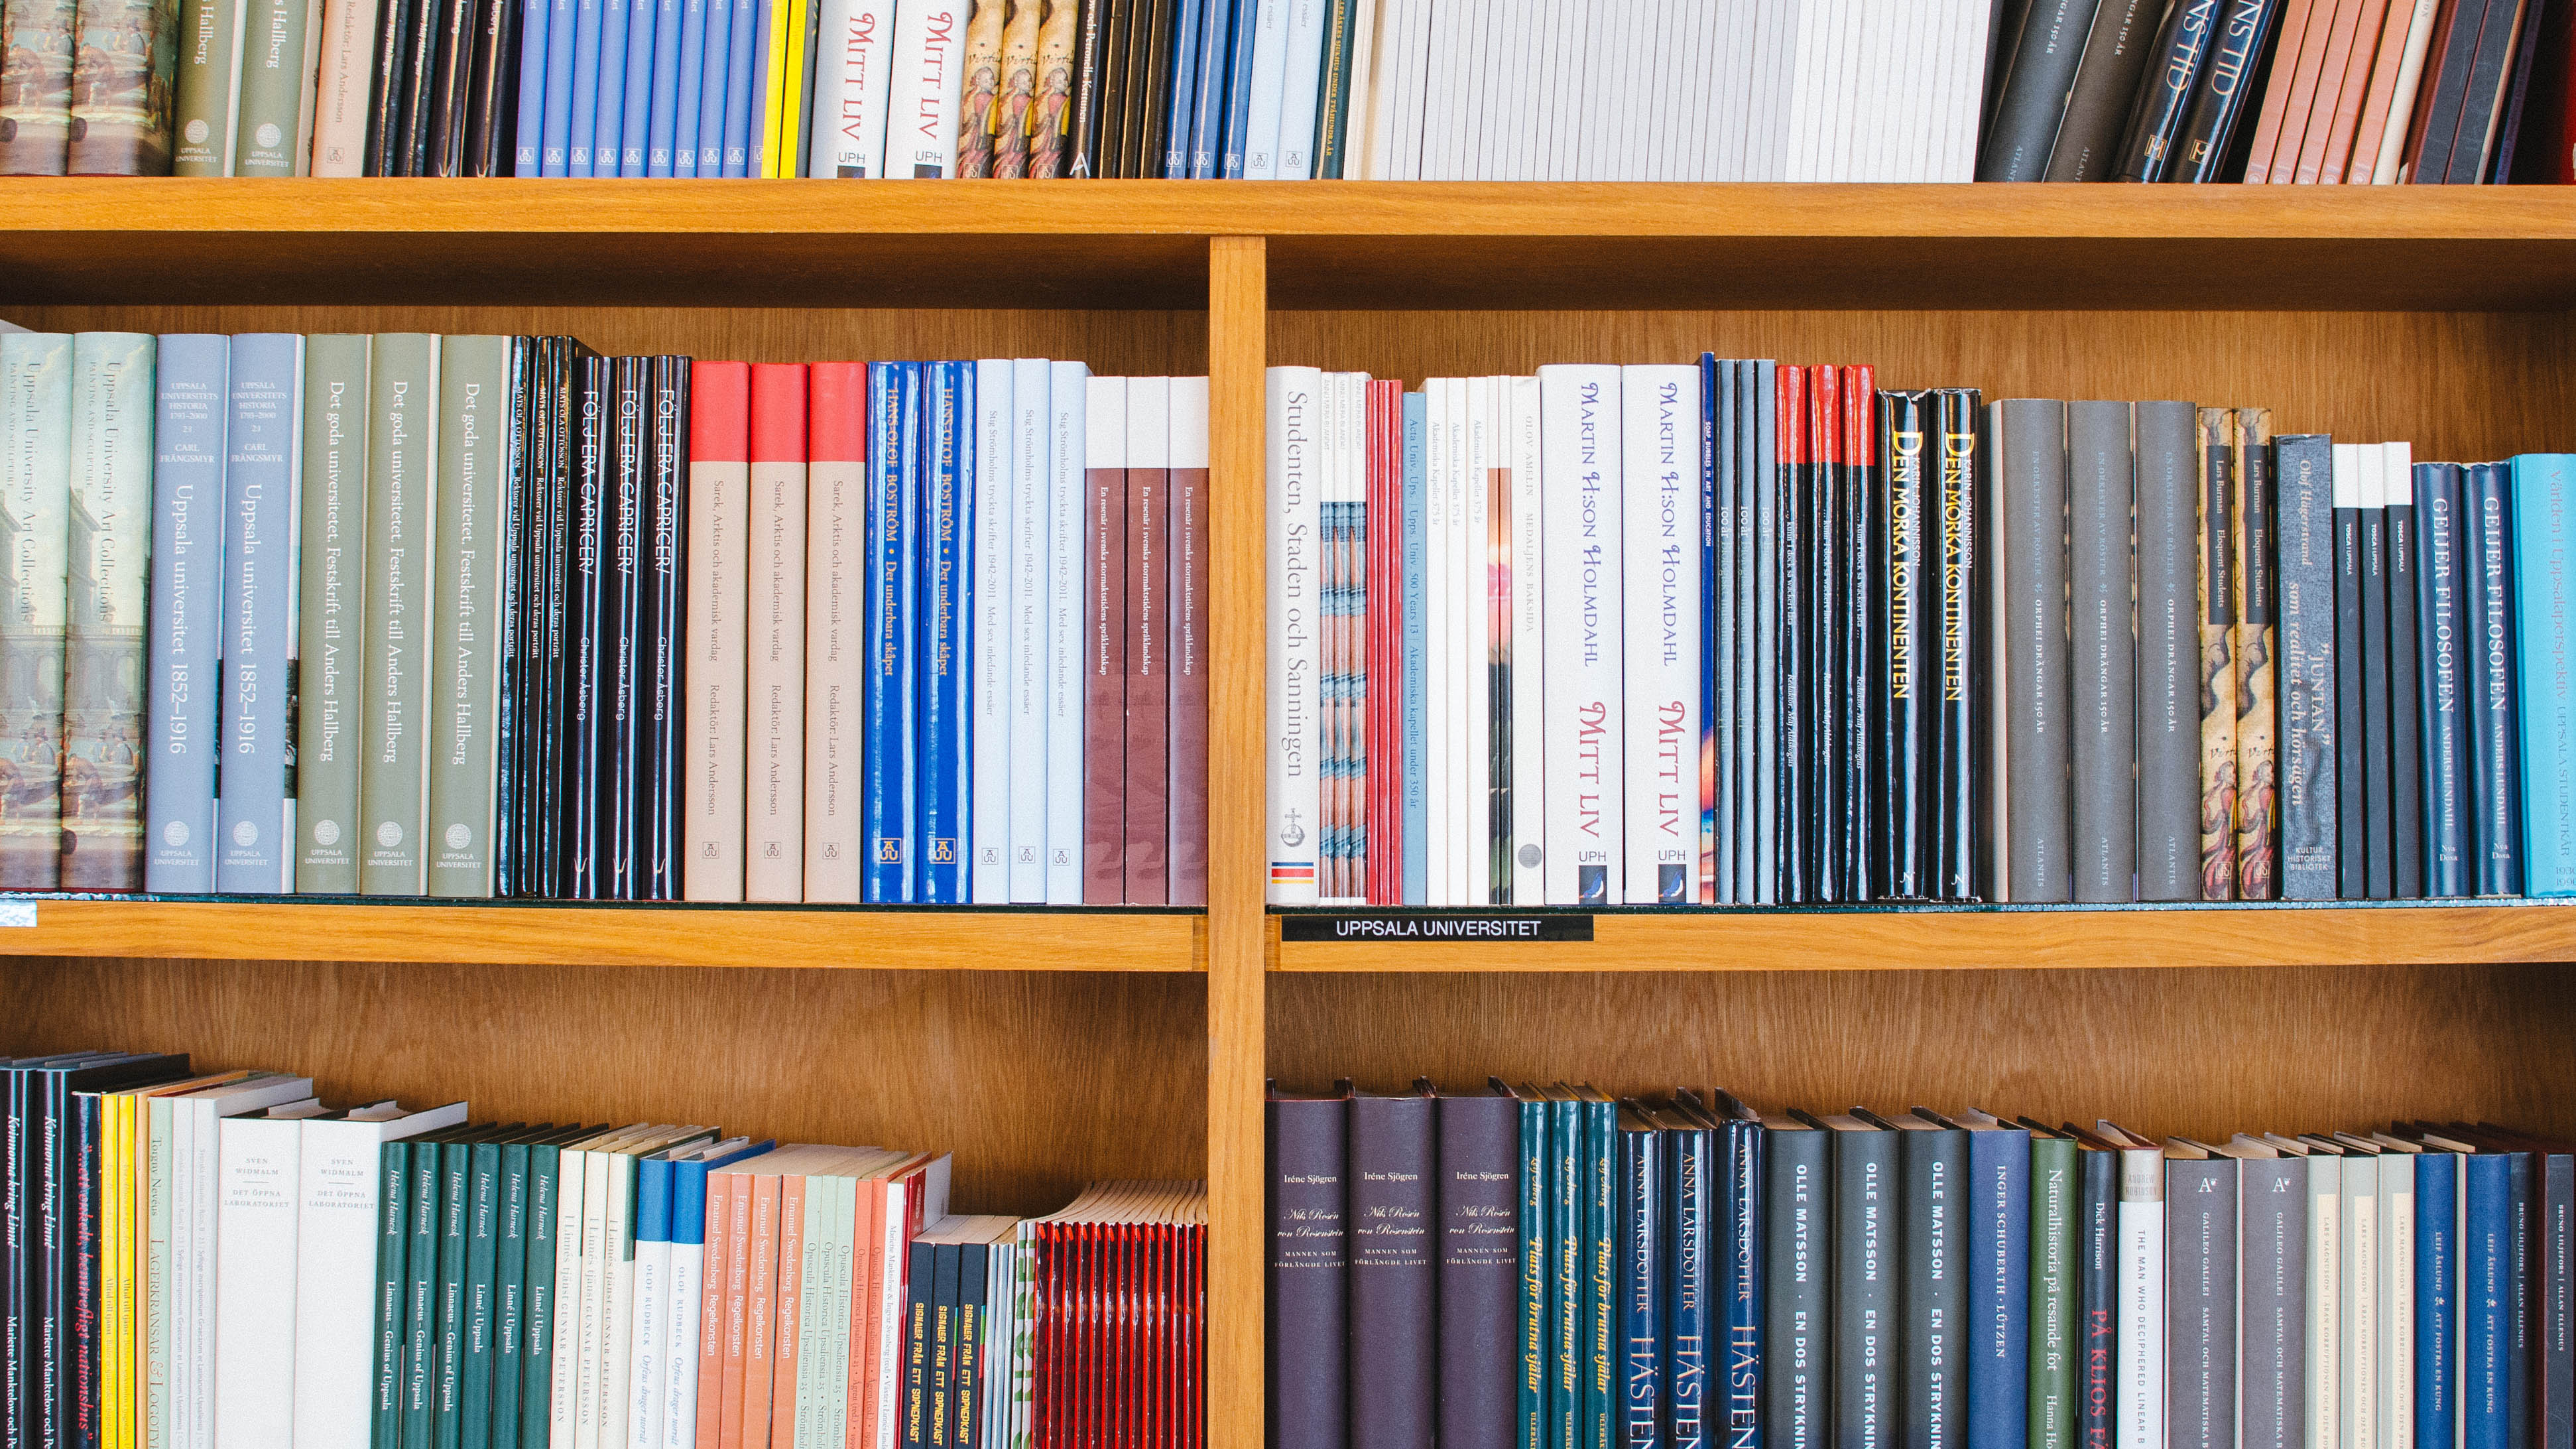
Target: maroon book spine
1148,621
1188,643
1104,693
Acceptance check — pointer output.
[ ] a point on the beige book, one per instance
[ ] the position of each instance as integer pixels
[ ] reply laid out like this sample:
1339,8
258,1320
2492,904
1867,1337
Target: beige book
774,822
719,637
343,88
835,675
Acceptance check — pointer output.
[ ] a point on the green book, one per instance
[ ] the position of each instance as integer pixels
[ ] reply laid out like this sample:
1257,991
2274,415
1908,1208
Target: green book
402,454
108,566
1600,1267
35,499
482,1272
536,1379
1565,1259
510,1294
330,620
208,87
474,473
2055,1191
455,1207
1531,1382
392,1272
281,55
420,1296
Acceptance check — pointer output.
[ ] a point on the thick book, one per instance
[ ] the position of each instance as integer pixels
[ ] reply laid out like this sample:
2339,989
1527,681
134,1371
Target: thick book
2034,92
1579,482
2495,785
2405,674
2106,78
401,542
206,91
2378,795
1660,664
2169,715
331,599
2545,586
924,84
2201,1302
2056,1291
1145,839
1394,1276
2221,672
2103,681
2442,699
182,701
893,515
35,493
2271,1310
719,556
774,672
1940,1317
1797,1170
1868,1345
2254,642
469,559
2174,66
273,133
2309,718
2037,764
1108,533
1477,1201
836,575
108,564
255,800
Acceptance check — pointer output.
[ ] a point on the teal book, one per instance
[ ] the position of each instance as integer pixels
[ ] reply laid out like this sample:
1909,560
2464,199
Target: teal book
1530,1341
510,1294
35,496
1600,1269
2054,1199
482,1271
109,567
1565,1267
2543,501
536,1378
420,1295
392,1266
455,1202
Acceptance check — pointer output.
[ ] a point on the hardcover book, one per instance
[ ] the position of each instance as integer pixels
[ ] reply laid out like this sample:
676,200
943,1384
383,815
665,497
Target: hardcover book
1295,611
1296,798
1659,508
1186,646
183,701
1580,471
1069,413
1148,624
331,615
2545,590
255,801
2308,713
2405,672
109,574
2169,713
401,521
719,628
836,576
2496,789
2441,626
36,371
992,505
2221,671
2254,642
476,464
774,673
2104,677
943,623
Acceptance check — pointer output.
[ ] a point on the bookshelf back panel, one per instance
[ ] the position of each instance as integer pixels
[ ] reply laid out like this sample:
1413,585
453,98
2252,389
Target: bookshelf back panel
2468,385
1038,1081
1113,343
2194,1052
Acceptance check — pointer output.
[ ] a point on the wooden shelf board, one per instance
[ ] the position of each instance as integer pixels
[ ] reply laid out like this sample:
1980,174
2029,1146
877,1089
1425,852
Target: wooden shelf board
513,934
1333,244
1991,937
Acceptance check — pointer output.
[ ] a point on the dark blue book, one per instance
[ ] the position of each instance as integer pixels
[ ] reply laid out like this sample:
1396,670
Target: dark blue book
1479,1275
1690,1268
1208,108
2353,844
1640,1288
1598,1322
1238,91
1185,88
1998,1282
589,631
2437,1295
1797,1409
2442,701
894,422
617,20
1933,1307
2304,468
2547,1343
672,49
2495,811
2486,1276
942,610
625,618
1394,1280
1740,1271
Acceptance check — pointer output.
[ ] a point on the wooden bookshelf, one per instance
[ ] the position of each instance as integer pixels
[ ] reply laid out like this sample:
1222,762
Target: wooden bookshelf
1048,1048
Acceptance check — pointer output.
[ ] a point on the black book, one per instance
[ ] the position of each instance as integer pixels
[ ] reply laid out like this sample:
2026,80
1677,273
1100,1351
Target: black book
1393,1282
509,782
1149,93
2405,720
2482,105
1308,1276
541,742
2527,50
386,99
1932,1320
1739,1276
1867,1339
1333,106
2442,633
1959,739
492,92
1906,604
2097,1273
1479,1285
2377,759
2444,97
1109,134
1797,1338
2034,90
2174,65
666,583
2352,820
1865,724
2304,462
50,1224
1082,135
2235,60
451,81
2115,56
2495,814
1797,545
423,74
587,689
624,650
1830,701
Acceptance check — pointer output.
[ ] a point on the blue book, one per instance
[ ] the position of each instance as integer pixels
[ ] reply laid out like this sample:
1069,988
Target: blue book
608,121
582,96
1750,481
1766,633
563,46
1238,91
894,424
2495,807
1739,1275
1185,88
690,86
672,19
653,1200
1998,1283
2544,556
1640,1387
1568,1274
1717,692
533,18
2437,1293
182,703
1691,1212
1417,659
2520,1206
2441,631
1207,115
758,85
2486,1349
644,24
741,87
942,603
1597,1348
255,813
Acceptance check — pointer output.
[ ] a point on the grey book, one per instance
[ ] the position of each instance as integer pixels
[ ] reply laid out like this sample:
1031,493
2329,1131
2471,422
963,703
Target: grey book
207,90
2030,455
255,799
331,621
2115,58
2271,1296
184,659
2305,469
1932,1173
1721,648
109,573
1751,477
474,470
2101,488
402,461
2200,1297
2168,652
1797,1339
281,55
1866,1243
2033,101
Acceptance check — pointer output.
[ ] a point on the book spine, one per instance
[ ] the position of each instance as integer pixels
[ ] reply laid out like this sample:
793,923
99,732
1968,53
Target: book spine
1693,1272
1069,404
1936,1182
2304,466
1997,1310
1146,623
663,647
2547,711
622,645
1208,104
1580,467
2038,709
2271,1313
2438,1296
662,116
332,595
835,630
2254,640
36,370
1797,1406
2486,1346
1414,730
774,832
120,96
1525,697
2033,99
719,553
2104,681
1596,1323
1718,636
1639,1386
401,521
2169,718
2140,1370
254,805
2172,78
2115,57
473,472
1026,681
991,511
2442,629
258,1168
386,1339
275,92
1866,1256
1479,1155
1393,1272
207,88
528,105
1186,649
1295,400
2495,796
618,20
182,704
1903,667
2405,675
589,531
1659,508
2055,1304
942,626
2378,793
108,563
2352,818
2097,1289
2221,672
894,402
509,1296
2200,1308
2235,64
921,116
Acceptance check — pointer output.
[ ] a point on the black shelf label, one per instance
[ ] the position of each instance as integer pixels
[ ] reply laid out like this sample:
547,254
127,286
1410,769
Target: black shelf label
1466,926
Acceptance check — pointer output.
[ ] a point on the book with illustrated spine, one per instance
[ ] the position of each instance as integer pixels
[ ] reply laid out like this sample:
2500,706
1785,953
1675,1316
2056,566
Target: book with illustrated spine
2304,464
2220,674
123,74
109,573
183,703
330,623
2255,642
35,495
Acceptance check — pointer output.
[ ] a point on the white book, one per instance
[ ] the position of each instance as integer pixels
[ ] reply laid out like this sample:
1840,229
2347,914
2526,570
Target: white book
571,1182
2389,166
1333,657
1967,106
1377,96
1660,508
196,1197
926,74
2360,1316
339,1224
1405,149
618,1303
648,1361
1528,647
1483,90
835,657
932,1185
718,653
1304,73
1579,436
1921,29
1032,473
1360,123
1475,658
1441,39
1294,400
851,88
260,1167
1269,89
1070,402
774,832
2396,1287
589,1343
2138,1371
988,639
2325,1290
1441,734
1459,768
346,73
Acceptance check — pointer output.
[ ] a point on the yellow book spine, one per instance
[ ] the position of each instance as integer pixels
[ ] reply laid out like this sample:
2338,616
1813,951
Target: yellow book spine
111,1227
800,80
139,1309
773,89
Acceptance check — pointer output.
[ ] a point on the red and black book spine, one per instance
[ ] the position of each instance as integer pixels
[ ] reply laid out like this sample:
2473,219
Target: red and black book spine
1149,685
1864,739
1796,724
1829,705
1104,695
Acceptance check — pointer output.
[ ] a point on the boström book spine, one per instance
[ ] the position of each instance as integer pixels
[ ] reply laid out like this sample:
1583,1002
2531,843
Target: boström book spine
2104,679
2305,469
2441,626
182,701
2496,803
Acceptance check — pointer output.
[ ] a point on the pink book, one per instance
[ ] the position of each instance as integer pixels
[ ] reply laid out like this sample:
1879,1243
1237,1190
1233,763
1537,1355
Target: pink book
2356,88
1187,590
1149,688
2378,106
786,1340
760,1318
1104,644
711,1309
2276,95
2303,87
2339,48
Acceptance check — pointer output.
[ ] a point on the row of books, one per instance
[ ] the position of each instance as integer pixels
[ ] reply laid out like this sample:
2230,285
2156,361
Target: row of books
2340,91
222,1261
1554,1268
1748,633
475,616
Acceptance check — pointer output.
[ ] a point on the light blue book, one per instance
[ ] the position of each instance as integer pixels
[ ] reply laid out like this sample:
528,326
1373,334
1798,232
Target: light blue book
183,704
1417,643
563,45
688,82
702,102
255,813
533,19
1269,30
644,25
1766,632
1295,158
616,38
2544,601
1069,403
742,87
1183,103
582,92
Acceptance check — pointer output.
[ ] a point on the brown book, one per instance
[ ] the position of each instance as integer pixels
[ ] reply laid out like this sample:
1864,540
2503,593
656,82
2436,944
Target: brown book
2218,673
2277,96
2321,113
1187,644
1149,681
2356,89
1104,625
2300,103
2255,644
2378,108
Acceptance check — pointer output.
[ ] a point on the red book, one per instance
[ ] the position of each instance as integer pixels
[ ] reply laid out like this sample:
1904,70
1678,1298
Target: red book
1187,589
1149,612
1104,692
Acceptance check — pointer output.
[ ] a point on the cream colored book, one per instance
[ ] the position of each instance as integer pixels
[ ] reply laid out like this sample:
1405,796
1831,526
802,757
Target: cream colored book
719,629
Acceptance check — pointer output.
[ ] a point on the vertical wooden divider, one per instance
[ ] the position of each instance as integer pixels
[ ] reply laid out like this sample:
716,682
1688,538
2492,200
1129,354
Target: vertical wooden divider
1238,321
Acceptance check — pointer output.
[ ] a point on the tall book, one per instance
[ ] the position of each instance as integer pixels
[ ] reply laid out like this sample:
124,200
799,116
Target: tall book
2169,716
664,654
470,554
401,534
2443,701
2221,671
851,88
1965,666
1997,1292
2104,658
280,60
2545,581
1797,1173
1395,1242
1297,823
1308,1269
1479,1156
774,672
1186,654
2352,815
2032,731
719,628
942,622
2304,465
255,804
2495,786
590,535
2201,1303
2405,673
1062,547
109,566
2139,1371
206,93
1907,423
330,622
1659,510
2271,1309
1580,471
925,83
2378,758
1935,1380
991,501
35,497
894,418
183,703
836,576
2255,644
1148,616
1867,1342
